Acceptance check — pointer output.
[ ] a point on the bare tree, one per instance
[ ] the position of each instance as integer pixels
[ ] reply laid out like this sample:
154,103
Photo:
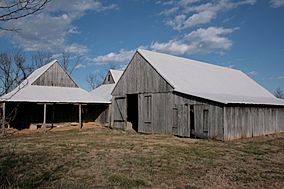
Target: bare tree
69,61
94,79
40,58
279,93
13,70
16,9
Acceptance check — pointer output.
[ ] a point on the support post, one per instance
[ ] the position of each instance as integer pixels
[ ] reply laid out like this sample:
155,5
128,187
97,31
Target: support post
3,115
44,115
52,115
80,116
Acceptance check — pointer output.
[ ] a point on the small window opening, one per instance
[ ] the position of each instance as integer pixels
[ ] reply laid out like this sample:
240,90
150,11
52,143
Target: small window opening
148,104
205,121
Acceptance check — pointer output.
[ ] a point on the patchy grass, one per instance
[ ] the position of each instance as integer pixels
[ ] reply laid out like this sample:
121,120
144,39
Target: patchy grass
104,158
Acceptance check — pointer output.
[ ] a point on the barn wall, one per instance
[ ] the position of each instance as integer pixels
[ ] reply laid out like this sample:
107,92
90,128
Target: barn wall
243,122
207,126
55,76
155,117
104,116
119,112
140,77
96,113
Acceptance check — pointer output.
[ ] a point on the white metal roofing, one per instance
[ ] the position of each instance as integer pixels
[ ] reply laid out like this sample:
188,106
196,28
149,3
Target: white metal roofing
116,74
103,91
51,94
209,81
26,92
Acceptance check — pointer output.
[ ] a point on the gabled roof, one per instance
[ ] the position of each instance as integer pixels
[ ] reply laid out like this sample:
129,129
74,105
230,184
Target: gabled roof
208,81
36,74
103,91
116,74
26,92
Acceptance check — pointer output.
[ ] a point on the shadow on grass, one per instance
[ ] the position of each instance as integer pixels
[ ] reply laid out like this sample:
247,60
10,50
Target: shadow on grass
28,170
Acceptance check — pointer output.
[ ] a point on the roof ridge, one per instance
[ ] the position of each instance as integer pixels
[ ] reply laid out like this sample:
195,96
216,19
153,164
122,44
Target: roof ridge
189,59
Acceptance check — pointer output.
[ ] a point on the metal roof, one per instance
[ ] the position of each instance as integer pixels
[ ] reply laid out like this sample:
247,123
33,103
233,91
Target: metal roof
208,81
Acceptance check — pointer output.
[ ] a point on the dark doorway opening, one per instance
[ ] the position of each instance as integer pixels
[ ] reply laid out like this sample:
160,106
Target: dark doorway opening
192,127
132,110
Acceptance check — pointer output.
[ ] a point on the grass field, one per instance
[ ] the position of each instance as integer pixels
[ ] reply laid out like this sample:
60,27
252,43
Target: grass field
103,158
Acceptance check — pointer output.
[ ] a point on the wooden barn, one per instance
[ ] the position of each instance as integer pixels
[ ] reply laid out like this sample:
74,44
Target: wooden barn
104,92
160,93
49,95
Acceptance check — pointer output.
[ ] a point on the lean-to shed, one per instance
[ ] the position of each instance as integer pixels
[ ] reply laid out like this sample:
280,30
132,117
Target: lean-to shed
160,93
48,95
104,92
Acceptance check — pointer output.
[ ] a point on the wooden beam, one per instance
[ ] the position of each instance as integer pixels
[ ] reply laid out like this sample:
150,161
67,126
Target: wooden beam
3,115
44,115
80,116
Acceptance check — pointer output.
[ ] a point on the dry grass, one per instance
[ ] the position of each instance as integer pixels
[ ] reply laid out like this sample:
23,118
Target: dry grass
104,158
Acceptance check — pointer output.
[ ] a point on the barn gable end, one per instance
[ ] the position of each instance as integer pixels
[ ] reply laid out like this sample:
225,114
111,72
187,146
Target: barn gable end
112,76
55,75
140,77
108,79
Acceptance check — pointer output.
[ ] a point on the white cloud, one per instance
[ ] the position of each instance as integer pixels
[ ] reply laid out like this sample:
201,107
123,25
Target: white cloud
181,21
202,40
199,41
80,66
76,48
123,56
49,29
276,3
189,13
172,47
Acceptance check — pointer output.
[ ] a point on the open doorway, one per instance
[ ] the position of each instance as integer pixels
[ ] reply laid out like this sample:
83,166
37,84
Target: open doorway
132,110
192,124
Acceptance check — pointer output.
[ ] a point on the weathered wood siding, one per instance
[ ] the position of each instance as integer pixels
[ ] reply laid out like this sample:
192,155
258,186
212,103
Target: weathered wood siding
104,116
156,118
140,77
55,76
207,126
96,113
108,79
168,112
244,122
119,112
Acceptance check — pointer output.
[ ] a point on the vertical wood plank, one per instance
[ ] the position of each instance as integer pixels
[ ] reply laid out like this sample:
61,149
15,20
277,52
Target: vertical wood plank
225,127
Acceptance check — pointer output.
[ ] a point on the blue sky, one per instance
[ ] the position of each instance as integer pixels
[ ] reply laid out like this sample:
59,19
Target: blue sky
246,35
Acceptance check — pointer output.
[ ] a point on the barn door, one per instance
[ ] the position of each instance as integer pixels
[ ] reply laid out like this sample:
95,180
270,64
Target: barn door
201,121
119,112
181,120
